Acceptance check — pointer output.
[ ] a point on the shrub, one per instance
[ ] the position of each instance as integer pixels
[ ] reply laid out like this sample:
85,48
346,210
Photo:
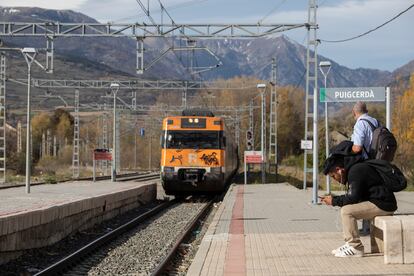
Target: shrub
48,165
17,163
50,178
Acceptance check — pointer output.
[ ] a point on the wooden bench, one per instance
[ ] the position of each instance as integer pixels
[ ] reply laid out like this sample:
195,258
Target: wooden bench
393,236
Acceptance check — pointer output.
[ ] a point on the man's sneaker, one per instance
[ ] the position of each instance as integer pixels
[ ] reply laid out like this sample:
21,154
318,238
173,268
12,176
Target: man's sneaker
349,251
339,249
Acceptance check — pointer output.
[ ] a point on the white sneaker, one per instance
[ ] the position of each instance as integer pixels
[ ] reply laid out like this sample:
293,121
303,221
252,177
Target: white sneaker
349,251
339,249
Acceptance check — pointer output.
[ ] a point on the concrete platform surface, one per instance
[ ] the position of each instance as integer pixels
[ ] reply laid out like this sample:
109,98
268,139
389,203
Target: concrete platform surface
274,229
15,200
51,212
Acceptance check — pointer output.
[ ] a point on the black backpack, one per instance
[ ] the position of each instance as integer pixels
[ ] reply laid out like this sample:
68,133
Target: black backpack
391,175
384,144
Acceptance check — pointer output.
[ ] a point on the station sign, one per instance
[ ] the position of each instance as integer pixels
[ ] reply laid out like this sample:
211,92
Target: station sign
102,154
306,144
253,157
352,94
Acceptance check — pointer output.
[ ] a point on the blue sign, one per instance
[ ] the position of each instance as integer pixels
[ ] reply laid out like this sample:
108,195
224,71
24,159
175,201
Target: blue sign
142,131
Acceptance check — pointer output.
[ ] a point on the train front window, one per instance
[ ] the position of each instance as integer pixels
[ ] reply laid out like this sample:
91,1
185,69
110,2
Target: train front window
185,139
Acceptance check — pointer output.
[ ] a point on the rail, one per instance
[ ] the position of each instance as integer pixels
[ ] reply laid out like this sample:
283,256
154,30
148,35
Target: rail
61,266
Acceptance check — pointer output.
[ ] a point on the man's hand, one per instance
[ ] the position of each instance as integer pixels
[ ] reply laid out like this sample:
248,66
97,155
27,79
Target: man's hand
357,149
326,199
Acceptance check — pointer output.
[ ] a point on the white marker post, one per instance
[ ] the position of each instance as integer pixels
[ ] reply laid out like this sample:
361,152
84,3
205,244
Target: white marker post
388,108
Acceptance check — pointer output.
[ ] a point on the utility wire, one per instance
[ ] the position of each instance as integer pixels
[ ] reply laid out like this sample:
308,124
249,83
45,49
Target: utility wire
321,4
271,11
163,9
370,31
147,12
173,7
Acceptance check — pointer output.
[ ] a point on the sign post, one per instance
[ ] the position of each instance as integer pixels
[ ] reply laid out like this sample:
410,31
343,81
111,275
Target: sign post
100,154
251,157
355,94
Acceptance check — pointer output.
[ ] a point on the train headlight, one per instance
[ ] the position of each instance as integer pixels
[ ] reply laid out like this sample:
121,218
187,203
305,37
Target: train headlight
168,169
196,120
215,170
190,120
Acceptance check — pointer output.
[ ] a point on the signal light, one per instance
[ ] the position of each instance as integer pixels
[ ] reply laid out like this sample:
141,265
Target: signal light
249,139
249,135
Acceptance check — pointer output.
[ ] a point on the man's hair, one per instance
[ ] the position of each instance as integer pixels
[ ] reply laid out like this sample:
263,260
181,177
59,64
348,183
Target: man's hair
360,107
332,162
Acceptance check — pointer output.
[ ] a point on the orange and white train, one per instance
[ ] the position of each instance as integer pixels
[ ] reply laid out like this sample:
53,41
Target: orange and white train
197,154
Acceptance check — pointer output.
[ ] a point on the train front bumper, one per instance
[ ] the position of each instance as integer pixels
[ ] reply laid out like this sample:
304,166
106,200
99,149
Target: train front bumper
193,180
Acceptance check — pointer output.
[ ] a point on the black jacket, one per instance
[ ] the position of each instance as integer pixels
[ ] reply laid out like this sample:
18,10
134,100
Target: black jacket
365,184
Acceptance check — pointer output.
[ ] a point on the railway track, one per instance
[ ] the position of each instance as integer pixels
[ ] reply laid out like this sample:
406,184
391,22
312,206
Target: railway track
120,178
144,245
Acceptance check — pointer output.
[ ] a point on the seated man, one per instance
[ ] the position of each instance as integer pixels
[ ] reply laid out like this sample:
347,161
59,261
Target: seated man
366,198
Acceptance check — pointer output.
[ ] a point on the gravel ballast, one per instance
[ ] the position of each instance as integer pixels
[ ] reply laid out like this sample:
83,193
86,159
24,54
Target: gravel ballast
139,251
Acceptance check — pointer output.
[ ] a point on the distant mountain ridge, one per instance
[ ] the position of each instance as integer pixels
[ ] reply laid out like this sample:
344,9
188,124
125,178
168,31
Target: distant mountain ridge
240,57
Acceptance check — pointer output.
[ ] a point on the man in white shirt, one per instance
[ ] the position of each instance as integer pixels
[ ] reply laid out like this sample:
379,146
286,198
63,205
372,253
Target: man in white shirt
362,135
362,138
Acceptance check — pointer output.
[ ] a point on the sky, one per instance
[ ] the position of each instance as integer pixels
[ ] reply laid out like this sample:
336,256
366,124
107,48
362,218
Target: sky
387,48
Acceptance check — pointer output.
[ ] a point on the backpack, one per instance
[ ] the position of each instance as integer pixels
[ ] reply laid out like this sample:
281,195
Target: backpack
391,175
384,144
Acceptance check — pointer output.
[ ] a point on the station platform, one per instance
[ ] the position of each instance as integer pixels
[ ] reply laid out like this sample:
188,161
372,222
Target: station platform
273,229
53,211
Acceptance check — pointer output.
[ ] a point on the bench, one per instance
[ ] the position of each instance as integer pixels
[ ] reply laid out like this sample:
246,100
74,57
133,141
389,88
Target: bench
393,236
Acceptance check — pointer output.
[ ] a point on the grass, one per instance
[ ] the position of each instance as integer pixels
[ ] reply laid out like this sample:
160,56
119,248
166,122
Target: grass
291,171
255,177
294,176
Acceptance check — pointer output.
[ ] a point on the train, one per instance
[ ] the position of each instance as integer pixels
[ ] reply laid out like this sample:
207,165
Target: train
198,156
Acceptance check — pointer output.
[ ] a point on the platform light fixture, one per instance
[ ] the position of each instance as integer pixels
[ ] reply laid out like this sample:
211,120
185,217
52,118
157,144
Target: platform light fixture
262,89
114,89
325,68
29,55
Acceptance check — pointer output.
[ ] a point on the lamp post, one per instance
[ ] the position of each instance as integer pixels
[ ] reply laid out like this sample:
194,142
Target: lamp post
325,67
114,88
29,55
262,88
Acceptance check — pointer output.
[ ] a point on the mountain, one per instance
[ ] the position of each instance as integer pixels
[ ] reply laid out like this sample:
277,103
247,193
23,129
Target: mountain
118,53
404,71
253,57
237,57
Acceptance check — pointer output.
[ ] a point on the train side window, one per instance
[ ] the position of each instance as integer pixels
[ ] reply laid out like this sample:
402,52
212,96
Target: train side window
224,141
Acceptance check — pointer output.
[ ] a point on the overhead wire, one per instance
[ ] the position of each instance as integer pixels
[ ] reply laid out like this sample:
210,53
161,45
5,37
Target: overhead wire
271,12
163,9
370,31
173,7
146,11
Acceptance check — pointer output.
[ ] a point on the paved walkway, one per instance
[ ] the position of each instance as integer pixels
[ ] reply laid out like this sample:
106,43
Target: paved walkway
282,233
15,200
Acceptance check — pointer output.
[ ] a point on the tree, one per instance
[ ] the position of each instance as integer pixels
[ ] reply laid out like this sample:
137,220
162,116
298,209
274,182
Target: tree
40,124
63,125
290,120
403,123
